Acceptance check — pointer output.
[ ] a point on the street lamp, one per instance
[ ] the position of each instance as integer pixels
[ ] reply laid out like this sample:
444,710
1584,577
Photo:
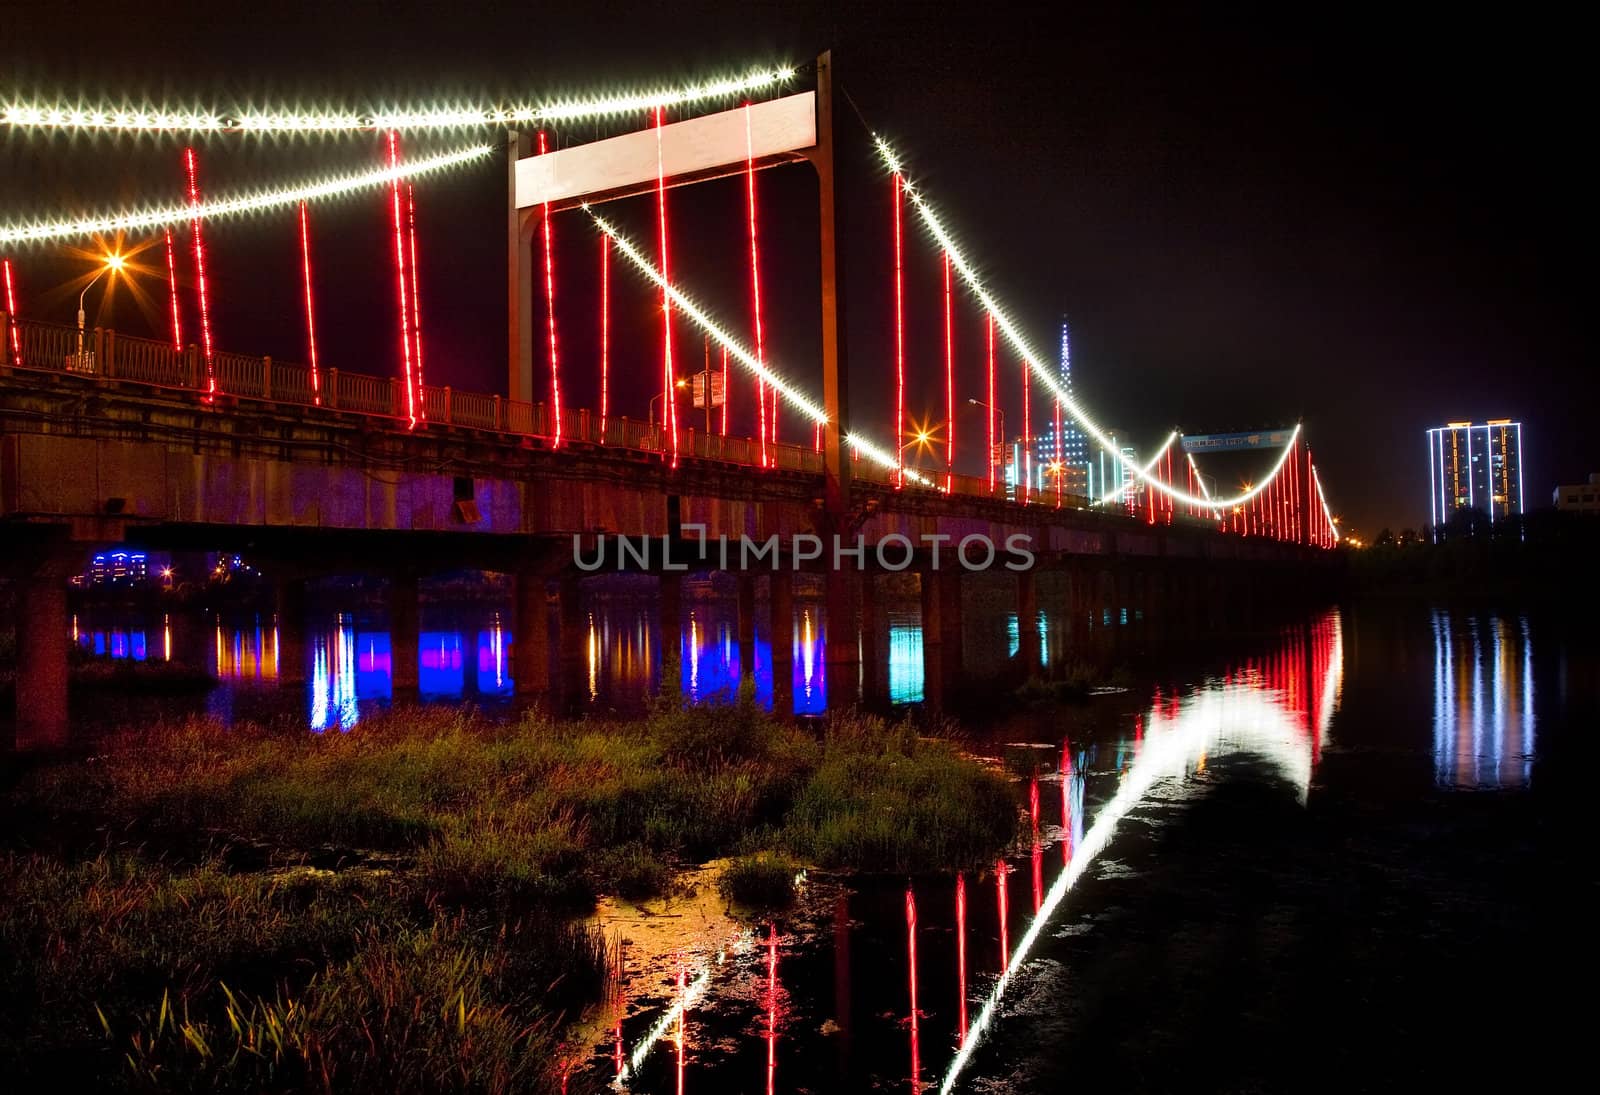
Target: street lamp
681,384
113,264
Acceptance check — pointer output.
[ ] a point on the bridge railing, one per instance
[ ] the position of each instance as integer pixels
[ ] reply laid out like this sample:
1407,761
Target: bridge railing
55,348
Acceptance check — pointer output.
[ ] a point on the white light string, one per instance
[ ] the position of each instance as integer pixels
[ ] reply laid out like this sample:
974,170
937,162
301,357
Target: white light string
56,116
250,203
1003,322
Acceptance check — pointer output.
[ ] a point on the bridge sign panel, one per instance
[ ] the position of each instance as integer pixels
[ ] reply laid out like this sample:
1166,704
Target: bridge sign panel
698,145
1237,442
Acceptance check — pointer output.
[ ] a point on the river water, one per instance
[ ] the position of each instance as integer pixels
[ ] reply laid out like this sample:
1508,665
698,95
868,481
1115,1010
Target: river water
1324,857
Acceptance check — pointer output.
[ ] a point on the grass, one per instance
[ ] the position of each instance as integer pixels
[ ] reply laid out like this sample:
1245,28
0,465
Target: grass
765,880
159,924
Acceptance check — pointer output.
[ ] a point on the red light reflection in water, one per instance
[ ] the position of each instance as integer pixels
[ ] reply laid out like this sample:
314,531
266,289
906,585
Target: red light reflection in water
1000,901
961,955
772,1010
1066,802
911,979
1038,849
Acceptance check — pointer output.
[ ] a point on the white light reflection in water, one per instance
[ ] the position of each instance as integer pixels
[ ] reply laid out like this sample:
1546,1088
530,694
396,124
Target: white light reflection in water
333,678
1483,731
1254,714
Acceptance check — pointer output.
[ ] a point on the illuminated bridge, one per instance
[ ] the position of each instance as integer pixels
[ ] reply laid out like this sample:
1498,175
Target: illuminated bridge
175,443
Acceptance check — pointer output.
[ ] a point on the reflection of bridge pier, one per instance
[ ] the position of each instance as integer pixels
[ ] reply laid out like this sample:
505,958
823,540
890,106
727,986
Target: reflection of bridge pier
941,633
42,622
290,623
405,634
780,607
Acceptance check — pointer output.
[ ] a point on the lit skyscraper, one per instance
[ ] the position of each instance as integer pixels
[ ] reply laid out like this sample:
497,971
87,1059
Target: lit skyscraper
1474,467
1072,447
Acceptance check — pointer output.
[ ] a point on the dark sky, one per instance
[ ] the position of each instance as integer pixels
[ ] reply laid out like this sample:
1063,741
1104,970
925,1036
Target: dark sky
1364,220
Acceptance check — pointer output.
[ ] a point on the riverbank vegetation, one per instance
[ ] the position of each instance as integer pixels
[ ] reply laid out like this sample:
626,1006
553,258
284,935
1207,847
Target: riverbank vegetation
396,908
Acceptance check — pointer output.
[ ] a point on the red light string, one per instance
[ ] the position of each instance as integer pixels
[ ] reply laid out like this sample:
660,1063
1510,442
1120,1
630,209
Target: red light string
727,391
1026,469
949,381
762,409
605,331
550,310
172,285
200,272
416,301
989,409
899,341
669,409
10,311
311,322
911,977
400,281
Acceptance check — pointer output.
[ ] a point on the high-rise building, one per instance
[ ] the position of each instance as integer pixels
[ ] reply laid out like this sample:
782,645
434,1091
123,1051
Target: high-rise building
1072,447
1476,468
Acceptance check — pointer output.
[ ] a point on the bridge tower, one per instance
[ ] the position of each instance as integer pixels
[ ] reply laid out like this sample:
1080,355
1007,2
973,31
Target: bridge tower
606,170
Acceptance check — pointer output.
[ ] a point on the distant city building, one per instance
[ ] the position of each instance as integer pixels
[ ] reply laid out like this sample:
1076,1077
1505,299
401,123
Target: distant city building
118,568
1580,498
1475,467
1072,447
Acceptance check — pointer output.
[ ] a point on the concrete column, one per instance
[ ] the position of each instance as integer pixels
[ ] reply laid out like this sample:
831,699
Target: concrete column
841,651
671,595
874,651
571,643
780,607
42,641
1028,623
291,630
941,633
405,626
530,634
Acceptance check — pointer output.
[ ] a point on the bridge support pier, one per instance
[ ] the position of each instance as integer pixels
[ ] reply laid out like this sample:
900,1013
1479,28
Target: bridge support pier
670,592
874,666
1028,623
571,642
941,634
841,652
291,627
405,635
42,641
746,596
530,634
780,604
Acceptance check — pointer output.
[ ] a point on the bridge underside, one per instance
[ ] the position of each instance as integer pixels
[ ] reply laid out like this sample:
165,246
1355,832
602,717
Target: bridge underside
311,491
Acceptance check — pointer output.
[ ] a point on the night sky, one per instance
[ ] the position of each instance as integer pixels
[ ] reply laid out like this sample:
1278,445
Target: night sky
1366,222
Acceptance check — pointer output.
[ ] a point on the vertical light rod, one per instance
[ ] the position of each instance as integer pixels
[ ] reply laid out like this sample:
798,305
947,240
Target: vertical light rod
949,382
200,272
669,402
755,291
11,311
172,287
416,299
400,282
311,319
550,308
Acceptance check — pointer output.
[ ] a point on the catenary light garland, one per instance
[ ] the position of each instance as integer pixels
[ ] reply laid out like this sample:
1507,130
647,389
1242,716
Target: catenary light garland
688,307
958,260
251,203
55,116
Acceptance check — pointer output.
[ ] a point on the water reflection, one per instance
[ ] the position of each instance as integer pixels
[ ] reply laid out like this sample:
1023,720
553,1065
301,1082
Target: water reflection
1483,710
917,974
